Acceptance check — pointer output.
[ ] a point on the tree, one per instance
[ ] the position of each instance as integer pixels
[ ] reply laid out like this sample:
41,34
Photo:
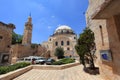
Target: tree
86,47
34,45
16,38
59,52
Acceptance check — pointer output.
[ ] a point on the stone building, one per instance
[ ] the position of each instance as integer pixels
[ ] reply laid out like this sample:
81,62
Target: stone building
27,32
103,17
63,37
26,49
5,41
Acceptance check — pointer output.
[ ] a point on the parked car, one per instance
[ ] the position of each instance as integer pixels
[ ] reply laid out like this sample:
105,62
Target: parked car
25,59
31,59
66,56
40,60
50,61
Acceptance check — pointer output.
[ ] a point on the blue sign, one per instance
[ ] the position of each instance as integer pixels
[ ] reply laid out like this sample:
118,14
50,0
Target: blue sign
106,55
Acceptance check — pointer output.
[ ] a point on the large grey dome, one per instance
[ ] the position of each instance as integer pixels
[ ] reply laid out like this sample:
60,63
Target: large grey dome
63,29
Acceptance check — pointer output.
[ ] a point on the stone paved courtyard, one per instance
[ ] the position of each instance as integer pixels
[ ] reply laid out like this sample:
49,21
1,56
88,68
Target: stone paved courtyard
73,73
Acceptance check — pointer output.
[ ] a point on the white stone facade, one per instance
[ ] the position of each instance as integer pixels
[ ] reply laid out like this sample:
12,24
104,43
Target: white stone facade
63,37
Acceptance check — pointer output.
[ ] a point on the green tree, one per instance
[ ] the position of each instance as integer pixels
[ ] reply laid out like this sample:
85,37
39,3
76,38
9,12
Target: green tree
86,47
34,45
16,38
59,52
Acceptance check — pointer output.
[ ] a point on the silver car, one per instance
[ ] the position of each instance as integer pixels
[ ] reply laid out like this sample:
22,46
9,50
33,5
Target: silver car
40,60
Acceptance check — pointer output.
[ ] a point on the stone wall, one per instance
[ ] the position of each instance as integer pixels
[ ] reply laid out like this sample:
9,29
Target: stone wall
5,37
113,28
19,51
5,41
107,37
42,51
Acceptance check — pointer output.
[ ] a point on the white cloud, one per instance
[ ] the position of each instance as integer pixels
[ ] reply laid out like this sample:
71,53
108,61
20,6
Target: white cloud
52,16
28,6
49,27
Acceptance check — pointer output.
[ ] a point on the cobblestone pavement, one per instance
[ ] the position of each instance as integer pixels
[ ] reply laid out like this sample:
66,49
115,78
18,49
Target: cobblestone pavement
73,73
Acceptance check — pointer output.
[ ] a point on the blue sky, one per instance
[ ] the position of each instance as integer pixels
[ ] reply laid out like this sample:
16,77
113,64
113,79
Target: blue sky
46,15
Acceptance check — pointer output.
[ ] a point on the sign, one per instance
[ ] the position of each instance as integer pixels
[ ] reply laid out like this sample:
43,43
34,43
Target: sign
106,55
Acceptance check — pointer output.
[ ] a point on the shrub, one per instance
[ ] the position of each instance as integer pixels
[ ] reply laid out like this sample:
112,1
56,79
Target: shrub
67,60
33,46
64,61
57,63
6,69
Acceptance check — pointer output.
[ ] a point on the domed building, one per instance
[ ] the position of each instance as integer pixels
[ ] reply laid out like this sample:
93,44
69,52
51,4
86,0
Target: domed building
63,37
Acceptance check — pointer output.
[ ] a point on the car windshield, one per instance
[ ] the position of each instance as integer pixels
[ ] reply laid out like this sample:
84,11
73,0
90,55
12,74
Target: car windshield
40,58
27,59
49,60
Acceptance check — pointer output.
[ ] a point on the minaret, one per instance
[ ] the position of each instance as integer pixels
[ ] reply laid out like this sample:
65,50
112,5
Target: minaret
27,32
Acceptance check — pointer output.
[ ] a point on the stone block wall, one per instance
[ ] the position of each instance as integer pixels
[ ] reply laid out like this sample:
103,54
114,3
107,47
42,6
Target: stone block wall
19,51
41,51
5,41
113,26
5,37
107,36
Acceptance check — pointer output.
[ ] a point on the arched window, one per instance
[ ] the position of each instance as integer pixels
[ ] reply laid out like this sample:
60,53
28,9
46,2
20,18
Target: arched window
101,32
68,48
62,43
56,43
68,43
67,31
1,37
61,31
74,37
50,39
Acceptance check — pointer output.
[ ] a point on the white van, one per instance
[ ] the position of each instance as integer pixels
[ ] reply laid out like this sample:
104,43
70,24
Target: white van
38,60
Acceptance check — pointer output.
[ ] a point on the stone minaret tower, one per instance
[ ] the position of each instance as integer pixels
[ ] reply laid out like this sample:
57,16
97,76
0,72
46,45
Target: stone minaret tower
27,32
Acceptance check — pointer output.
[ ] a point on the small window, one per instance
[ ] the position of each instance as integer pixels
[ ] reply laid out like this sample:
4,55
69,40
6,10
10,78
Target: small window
8,46
1,37
62,43
68,48
67,31
62,32
68,43
74,37
50,39
101,33
100,26
56,43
